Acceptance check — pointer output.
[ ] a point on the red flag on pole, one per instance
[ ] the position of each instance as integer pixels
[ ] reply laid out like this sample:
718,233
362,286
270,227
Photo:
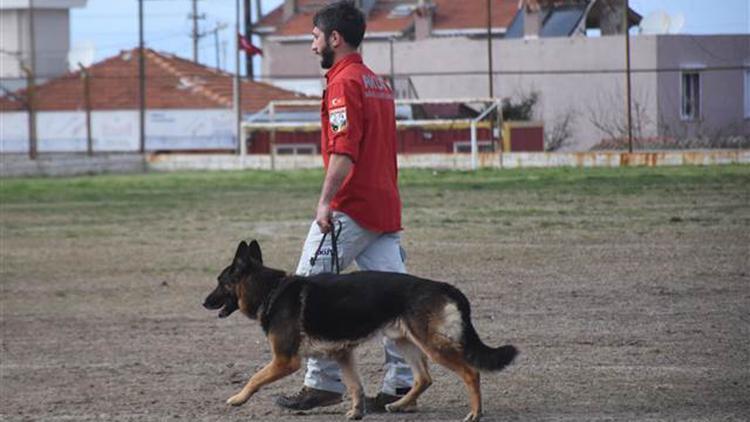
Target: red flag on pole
246,45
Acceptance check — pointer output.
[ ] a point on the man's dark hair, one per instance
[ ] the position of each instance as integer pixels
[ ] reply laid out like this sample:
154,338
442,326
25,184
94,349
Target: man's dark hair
343,17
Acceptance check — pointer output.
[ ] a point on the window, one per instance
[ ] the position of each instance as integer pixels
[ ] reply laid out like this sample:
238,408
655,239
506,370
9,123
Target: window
691,95
747,93
296,149
465,146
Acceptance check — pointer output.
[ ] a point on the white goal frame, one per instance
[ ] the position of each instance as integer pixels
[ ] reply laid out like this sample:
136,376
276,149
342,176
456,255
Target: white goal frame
490,104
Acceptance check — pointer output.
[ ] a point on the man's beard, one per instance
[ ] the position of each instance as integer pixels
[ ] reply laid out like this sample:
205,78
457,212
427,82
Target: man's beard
326,57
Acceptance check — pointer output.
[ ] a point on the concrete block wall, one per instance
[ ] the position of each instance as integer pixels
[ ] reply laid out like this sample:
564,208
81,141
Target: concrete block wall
51,165
16,165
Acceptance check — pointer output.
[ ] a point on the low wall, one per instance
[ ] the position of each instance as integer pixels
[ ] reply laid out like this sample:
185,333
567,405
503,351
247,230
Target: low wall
15,165
69,164
170,162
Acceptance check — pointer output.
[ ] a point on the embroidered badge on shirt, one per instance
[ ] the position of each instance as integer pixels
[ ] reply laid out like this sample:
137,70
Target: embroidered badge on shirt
337,118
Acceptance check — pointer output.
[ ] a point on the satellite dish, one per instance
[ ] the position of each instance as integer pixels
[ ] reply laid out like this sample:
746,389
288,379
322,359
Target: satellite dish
656,22
82,52
676,23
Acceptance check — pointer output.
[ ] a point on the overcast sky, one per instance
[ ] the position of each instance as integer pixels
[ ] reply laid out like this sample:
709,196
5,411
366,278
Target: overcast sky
109,26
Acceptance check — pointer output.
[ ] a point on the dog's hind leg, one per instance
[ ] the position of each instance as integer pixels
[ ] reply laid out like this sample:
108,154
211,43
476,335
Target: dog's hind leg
278,368
353,385
422,379
447,352
453,359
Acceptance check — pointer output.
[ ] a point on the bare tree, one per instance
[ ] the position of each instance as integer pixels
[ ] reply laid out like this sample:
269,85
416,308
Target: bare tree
607,115
561,131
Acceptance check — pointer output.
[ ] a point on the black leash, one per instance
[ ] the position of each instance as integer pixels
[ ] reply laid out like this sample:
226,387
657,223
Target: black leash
334,248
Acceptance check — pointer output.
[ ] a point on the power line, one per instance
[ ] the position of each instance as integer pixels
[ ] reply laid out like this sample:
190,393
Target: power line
582,72
128,16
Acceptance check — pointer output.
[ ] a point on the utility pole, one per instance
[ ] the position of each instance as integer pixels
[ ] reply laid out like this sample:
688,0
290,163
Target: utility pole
196,31
626,25
87,104
215,33
489,46
248,33
224,53
237,83
216,47
30,104
194,15
31,82
141,80
393,70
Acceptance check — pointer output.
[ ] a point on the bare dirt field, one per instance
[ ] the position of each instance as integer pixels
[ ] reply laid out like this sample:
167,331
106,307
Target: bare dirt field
627,292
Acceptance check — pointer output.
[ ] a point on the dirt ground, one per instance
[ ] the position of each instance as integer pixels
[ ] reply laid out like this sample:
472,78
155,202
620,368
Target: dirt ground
627,304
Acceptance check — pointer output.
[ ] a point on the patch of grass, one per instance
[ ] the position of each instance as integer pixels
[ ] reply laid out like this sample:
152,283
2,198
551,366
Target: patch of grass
153,187
156,187
199,202
597,181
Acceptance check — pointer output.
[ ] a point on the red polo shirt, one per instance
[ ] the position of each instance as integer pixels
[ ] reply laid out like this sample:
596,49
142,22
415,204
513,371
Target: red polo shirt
358,120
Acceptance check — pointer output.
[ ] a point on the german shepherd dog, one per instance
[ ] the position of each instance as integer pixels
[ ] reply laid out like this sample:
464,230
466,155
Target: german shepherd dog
330,315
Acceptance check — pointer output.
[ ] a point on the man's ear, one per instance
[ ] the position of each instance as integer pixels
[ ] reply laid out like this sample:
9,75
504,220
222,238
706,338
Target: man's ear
254,251
335,39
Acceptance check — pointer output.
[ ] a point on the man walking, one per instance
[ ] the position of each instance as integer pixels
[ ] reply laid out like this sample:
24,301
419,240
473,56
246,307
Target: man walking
359,200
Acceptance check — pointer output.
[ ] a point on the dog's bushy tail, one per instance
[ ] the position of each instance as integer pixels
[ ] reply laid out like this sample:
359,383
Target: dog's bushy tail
488,358
477,353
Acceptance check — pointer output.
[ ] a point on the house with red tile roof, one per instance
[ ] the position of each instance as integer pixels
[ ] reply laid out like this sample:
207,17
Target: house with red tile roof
188,106
285,32
570,53
172,82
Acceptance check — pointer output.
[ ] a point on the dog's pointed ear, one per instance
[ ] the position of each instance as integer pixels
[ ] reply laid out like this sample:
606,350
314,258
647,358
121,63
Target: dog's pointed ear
255,251
241,254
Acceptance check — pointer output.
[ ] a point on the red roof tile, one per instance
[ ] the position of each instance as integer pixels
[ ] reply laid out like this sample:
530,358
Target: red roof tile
449,14
171,82
472,14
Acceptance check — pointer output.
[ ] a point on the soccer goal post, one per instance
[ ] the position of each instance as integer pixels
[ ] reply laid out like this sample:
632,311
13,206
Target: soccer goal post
436,114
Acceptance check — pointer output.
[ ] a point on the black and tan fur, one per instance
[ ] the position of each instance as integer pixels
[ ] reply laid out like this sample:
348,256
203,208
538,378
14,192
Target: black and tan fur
329,315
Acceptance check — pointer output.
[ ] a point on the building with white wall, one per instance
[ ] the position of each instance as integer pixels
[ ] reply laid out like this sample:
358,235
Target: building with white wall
34,34
683,86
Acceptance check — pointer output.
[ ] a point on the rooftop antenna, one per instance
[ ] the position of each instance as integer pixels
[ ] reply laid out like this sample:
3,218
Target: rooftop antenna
660,22
676,23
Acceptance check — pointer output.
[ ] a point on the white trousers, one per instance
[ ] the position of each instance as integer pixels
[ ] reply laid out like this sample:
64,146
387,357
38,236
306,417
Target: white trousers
371,251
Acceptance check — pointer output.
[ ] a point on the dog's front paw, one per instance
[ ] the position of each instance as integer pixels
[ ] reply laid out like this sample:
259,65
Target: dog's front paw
398,407
355,414
471,417
394,408
237,399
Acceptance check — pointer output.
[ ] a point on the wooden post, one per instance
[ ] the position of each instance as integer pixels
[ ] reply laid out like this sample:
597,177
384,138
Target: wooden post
628,89
141,80
87,105
489,46
31,82
31,107
272,136
237,80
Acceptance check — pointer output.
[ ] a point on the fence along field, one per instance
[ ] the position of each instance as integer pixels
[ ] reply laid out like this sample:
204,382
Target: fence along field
626,290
